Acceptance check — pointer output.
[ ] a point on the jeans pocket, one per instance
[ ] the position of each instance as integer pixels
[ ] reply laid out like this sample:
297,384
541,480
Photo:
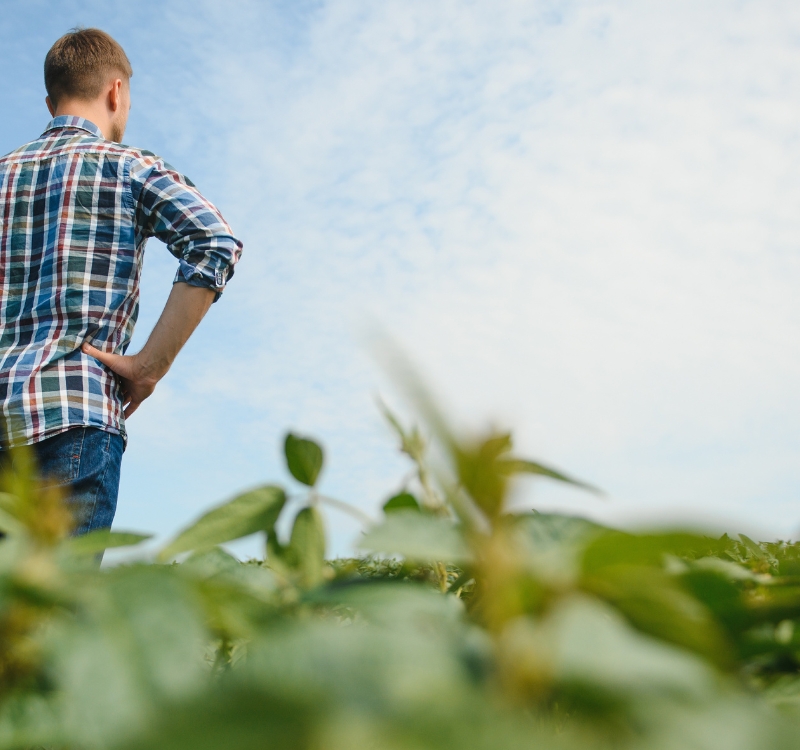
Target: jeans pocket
59,457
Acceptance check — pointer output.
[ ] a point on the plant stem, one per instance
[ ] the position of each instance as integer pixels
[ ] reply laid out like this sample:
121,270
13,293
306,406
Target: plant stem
347,508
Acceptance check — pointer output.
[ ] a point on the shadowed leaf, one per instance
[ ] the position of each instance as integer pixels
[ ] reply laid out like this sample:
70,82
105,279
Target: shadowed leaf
307,546
103,539
303,458
417,537
401,501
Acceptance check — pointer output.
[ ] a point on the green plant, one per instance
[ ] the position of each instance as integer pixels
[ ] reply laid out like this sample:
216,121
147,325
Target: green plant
463,625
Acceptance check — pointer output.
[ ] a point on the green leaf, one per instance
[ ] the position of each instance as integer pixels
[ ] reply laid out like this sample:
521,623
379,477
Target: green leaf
395,606
306,550
418,537
9,523
253,511
613,548
629,571
552,545
584,644
401,501
135,647
523,466
657,604
210,562
304,459
754,549
103,539
479,472
276,553
785,693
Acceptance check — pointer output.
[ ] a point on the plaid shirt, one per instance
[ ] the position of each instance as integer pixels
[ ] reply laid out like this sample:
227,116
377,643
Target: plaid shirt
75,213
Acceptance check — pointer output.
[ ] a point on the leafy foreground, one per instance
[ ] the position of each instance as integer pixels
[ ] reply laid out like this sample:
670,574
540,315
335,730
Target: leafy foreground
464,626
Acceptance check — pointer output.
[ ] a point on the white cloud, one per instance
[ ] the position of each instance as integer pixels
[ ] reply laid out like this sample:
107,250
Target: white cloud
581,217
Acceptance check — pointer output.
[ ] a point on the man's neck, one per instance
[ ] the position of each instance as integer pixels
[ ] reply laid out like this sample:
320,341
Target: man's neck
88,111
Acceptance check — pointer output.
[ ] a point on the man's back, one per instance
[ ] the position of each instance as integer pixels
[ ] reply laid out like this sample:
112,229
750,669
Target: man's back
76,209
75,213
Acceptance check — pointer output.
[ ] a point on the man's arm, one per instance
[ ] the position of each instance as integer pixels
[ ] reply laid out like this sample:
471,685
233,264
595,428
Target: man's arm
139,373
169,207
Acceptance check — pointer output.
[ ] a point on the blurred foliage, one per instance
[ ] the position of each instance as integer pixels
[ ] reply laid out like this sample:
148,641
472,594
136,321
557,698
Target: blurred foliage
464,625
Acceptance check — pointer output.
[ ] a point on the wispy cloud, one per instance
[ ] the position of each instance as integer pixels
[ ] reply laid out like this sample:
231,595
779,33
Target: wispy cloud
580,217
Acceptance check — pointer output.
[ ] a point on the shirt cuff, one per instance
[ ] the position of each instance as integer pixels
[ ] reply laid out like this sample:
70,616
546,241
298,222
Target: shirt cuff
206,277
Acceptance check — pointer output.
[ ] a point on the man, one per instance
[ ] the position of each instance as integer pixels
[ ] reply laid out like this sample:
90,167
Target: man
76,209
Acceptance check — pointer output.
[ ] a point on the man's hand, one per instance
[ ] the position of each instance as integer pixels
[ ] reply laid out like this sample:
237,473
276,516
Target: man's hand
136,382
139,373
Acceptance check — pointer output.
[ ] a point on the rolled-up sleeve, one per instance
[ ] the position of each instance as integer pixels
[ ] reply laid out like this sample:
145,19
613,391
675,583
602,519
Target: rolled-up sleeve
169,207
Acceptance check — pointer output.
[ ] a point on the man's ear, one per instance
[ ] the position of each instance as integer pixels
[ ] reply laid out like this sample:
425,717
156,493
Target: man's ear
50,106
115,95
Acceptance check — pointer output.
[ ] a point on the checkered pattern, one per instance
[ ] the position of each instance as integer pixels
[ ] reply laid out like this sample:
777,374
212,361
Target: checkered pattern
75,213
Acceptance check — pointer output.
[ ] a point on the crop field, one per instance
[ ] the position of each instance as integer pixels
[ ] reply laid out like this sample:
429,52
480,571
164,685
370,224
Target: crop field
462,625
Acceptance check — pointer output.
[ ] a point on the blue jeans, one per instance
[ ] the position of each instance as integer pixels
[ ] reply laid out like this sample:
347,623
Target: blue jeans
86,462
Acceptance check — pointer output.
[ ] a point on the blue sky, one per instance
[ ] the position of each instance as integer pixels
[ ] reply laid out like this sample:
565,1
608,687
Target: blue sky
580,219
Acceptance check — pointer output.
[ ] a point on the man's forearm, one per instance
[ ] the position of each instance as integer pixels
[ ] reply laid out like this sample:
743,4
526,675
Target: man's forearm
185,308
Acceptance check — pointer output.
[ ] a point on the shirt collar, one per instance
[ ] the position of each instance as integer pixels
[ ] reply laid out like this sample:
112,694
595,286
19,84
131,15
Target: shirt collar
70,121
